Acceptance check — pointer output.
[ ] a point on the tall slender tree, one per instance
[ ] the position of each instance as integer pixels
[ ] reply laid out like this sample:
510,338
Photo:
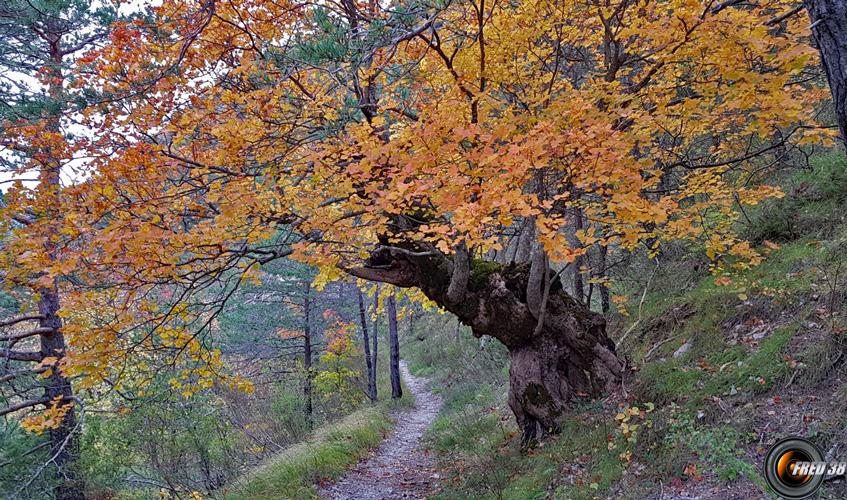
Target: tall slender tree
375,350
307,353
369,362
394,348
40,42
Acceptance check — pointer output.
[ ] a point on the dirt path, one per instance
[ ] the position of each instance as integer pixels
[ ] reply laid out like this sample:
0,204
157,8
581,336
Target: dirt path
399,468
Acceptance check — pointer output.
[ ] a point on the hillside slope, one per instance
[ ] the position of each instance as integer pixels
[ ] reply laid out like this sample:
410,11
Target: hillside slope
719,372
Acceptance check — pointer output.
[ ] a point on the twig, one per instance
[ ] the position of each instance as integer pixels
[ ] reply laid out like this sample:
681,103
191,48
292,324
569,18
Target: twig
652,349
785,16
640,306
61,447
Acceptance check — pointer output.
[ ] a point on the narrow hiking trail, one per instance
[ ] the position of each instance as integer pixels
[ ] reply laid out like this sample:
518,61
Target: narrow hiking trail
399,468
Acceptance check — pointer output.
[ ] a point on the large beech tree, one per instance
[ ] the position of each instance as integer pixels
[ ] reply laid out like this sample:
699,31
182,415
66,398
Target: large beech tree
444,146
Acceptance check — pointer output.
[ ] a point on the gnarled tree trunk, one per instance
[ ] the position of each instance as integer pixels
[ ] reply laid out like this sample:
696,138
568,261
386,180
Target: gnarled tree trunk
568,354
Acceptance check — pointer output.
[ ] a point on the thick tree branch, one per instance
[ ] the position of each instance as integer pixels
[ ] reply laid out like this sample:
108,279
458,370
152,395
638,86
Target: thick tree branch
537,279
20,355
31,333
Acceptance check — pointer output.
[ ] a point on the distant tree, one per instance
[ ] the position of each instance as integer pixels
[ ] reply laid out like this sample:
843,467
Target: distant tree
307,353
394,348
375,350
369,361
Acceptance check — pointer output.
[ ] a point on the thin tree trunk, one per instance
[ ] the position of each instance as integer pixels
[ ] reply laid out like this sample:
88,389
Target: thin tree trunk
64,439
375,351
604,288
579,262
413,315
367,341
394,347
307,355
829,27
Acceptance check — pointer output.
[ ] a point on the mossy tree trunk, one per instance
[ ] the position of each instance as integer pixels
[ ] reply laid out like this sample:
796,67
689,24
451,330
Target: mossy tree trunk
557,350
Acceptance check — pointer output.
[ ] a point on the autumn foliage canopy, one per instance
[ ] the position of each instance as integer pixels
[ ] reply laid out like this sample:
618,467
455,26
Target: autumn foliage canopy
224,135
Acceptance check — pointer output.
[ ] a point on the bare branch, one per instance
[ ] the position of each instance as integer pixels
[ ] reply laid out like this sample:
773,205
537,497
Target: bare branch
26,404
18,319
723,5
23,335
785,16
20,355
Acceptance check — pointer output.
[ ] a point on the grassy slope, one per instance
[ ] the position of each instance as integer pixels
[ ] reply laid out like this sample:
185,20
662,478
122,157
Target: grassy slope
762,362
333,448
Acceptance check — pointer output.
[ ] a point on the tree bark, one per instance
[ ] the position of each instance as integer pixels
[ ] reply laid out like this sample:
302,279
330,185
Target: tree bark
459,275
307,355
394,348
368,361
64,439
829,27
568,354
523,248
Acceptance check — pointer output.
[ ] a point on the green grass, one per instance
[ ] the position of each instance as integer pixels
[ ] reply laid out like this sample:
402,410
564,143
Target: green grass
724,372
294,472
475,437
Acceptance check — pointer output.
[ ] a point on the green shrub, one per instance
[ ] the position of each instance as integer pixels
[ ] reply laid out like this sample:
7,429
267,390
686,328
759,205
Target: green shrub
811,198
